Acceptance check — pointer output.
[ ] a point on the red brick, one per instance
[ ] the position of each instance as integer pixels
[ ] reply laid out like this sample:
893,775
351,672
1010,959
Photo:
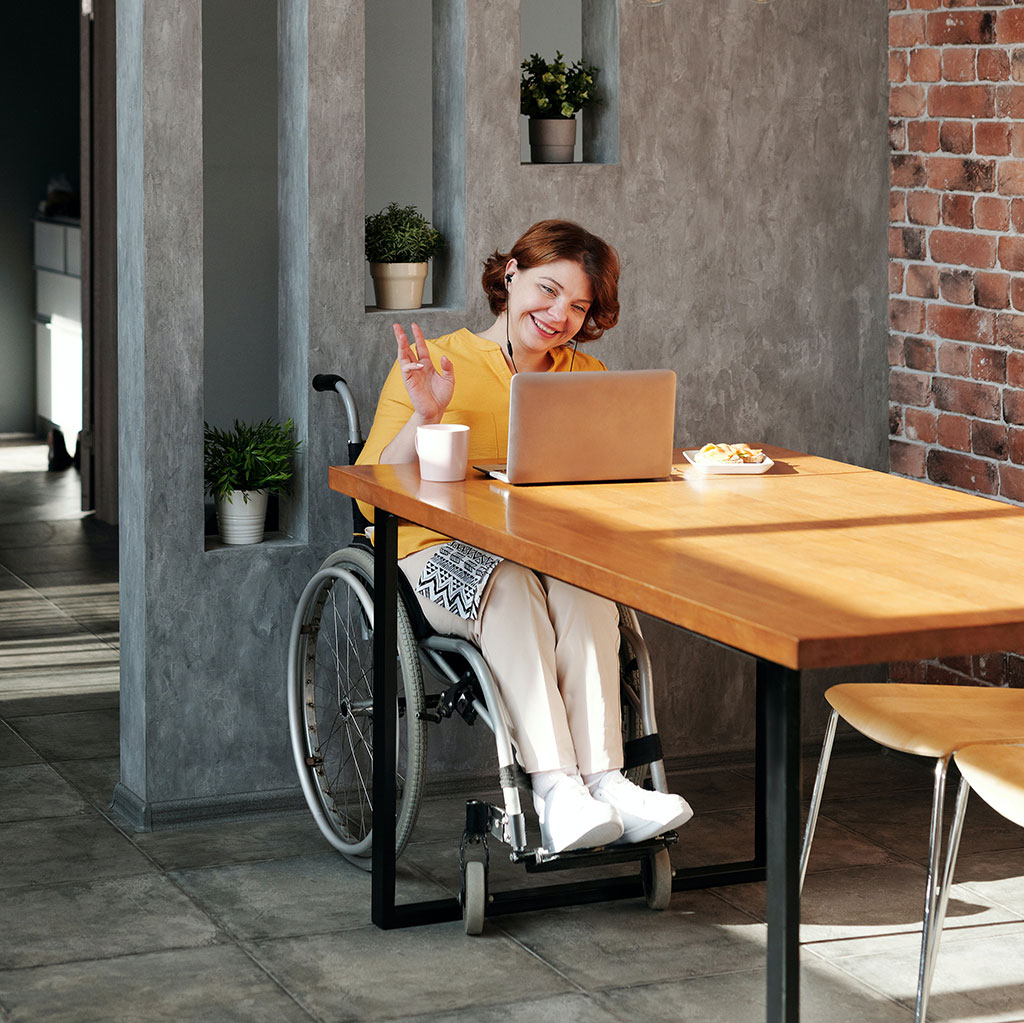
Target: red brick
919,354
993,65
988,440
992,138
937,675
991,290
1011,177
918,5
1017,214
1013,671
950,173
906,101
895,278
1015,444
1011,482
966,397
1009,100
906,316
1017,293
897,134
988,668
955,359
961,247
957,286
1010,330
1015,369
961,100
922,136
1013,406
920,426
957,65
948,28
1017,65
895,350
907,459
954,432
925,66
908,171
1017,139
897,65
956,470
897,205
989,364
906,29
958,210
906,242
992,214
895,420
1011,252
1009,27
956,137
908,388
907,671
923,281
923,208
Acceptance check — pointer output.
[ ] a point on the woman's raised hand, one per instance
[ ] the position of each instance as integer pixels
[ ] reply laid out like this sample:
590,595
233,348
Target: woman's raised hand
429,390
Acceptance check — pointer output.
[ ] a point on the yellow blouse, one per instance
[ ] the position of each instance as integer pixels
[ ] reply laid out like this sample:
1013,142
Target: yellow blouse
480,401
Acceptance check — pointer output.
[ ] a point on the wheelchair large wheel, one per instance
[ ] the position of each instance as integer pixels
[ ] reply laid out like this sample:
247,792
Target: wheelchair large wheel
331,706
630,682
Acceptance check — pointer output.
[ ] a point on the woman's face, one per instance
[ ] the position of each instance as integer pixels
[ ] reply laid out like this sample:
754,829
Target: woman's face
547,304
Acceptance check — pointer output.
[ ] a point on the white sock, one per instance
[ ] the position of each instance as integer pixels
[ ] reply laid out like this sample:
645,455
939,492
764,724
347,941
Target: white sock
544,781
593,781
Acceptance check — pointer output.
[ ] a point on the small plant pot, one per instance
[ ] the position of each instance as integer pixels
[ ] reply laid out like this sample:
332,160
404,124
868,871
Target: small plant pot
552,139
240,521
398,285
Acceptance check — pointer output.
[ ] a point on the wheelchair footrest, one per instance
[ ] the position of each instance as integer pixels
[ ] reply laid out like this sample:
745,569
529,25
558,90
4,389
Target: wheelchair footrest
539,861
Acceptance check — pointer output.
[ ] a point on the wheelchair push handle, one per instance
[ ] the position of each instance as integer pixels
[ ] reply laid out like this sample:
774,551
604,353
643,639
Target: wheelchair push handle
338,384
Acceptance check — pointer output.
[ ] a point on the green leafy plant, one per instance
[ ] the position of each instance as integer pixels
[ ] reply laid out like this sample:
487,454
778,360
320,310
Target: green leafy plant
555,89
250,456
401,234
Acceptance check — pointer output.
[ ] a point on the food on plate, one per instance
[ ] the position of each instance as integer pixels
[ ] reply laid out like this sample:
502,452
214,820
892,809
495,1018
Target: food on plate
730,453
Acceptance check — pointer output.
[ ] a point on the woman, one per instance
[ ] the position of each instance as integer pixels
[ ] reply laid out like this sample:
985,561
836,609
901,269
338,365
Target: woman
552,647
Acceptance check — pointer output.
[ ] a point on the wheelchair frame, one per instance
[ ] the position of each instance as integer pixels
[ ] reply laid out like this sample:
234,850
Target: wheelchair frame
474,694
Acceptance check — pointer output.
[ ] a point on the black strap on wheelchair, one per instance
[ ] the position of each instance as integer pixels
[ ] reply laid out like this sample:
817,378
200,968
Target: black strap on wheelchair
645,750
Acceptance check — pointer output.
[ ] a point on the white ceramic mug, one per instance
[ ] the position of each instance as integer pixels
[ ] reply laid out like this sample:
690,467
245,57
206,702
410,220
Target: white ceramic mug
443,450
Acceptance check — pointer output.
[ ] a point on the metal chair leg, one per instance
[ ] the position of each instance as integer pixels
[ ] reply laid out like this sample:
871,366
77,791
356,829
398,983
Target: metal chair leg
819,787
933,935
932,882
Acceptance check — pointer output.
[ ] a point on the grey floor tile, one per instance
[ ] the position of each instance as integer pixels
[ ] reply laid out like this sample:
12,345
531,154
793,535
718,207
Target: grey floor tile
13,749
58,701
292,897
94,779
77,735
579,1008
697,934
98,919
723,788
997,877
826,996
36,791
40,533
216,985
227,842
369,974
94,607
66,849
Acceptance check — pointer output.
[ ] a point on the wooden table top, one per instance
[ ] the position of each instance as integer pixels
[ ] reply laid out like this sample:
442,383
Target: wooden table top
813,564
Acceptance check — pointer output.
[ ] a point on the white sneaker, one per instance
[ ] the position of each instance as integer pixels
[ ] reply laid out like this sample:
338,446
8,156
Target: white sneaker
644,813
571,819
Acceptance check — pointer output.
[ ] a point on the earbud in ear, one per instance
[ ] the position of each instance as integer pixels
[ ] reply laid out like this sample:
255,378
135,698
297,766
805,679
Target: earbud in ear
508,279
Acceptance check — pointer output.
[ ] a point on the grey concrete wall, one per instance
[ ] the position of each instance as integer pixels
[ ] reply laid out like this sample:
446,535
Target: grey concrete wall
749,203
38,138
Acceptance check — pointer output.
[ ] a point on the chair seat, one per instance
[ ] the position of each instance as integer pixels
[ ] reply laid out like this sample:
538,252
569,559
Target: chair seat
929,720
996,773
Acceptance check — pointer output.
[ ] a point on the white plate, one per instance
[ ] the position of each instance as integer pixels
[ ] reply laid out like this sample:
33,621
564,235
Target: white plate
728,468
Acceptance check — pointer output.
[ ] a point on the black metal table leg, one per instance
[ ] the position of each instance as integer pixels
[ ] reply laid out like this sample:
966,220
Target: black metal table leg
781,689
385,715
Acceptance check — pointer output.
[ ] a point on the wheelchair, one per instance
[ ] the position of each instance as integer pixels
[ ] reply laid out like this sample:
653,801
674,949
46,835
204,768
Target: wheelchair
440,678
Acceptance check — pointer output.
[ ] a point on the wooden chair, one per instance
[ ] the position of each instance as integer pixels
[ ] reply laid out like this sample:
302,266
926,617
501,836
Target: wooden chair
928,721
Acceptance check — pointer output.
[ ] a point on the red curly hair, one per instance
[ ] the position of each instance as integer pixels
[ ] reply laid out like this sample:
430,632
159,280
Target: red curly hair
550,240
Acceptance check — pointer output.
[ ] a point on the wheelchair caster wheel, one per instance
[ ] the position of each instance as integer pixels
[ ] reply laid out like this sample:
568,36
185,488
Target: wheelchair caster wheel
474,896
656,876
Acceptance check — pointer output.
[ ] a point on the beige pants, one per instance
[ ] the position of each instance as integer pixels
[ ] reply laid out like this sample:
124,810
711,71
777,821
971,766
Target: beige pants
553,651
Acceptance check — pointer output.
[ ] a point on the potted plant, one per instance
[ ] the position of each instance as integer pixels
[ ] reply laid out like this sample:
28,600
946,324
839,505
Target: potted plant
241,467
550,94
399,242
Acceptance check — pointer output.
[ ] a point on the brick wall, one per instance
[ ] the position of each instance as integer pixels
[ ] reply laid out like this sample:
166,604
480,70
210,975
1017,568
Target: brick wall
956,262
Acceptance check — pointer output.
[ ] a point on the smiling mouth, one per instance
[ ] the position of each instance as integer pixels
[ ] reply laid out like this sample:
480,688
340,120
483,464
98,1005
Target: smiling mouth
546,331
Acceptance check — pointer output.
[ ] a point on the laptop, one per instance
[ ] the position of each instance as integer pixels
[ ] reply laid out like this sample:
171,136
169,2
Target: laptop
591,426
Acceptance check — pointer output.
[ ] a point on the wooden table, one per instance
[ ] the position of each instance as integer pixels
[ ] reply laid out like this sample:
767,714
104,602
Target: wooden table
813,564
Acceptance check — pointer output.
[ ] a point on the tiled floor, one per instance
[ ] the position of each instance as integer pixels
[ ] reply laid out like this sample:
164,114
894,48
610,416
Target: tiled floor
260,921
